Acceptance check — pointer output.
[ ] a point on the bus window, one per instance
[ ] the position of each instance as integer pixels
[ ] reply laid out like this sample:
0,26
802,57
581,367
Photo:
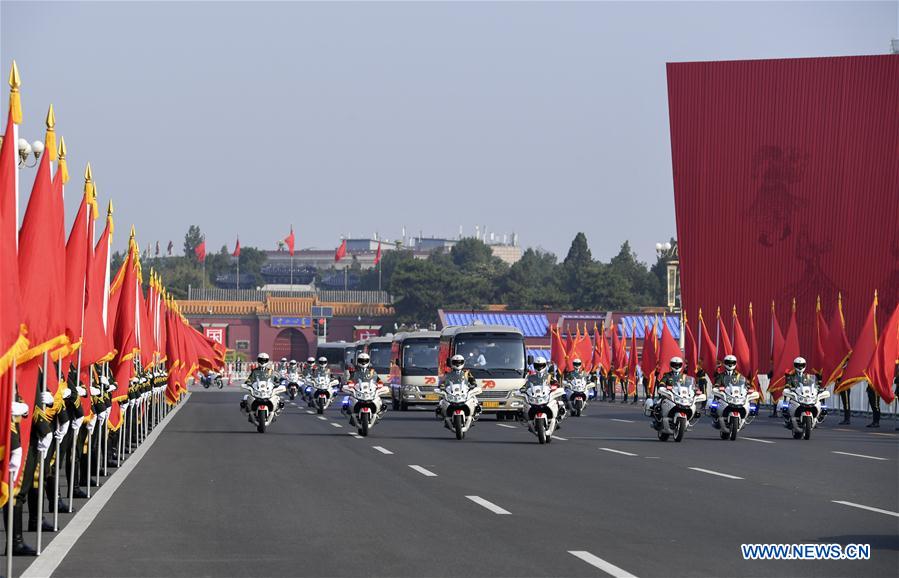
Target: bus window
420,357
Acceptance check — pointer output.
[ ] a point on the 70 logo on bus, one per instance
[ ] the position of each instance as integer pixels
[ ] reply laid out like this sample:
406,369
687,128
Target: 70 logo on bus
489,384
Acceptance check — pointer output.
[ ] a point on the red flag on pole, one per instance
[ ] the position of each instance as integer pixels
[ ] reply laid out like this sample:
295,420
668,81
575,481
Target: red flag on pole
289,241
236,252
13,341
787,355
601,349
97,345
39,247
200,251
584,350
632,363
650,361
741,346
78,252
691,352
619,355
556,347
668,348
753,353
818,352
378,254
707,351
341,251
863,351
125,333
722,341
882,369
777,341
837,348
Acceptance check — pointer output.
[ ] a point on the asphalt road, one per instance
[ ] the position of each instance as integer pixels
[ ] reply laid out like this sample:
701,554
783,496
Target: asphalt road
214,498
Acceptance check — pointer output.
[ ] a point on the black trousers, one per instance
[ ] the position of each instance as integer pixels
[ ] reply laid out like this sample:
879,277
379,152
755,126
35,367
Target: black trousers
874,402
844,399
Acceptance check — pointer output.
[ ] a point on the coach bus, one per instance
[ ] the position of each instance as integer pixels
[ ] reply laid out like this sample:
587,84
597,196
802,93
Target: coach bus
340,356
496,357
413,371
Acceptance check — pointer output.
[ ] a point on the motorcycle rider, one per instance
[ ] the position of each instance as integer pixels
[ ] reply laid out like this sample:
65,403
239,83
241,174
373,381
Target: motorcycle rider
308,367
577,372
794,378
456,374
730,373
363,370
543,376
321,368
671,378
262,372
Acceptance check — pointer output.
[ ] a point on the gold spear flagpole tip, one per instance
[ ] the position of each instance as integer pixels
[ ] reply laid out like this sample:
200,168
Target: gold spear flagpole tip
14,80
132,231
88,175
62,147
51,118
15,100
109,208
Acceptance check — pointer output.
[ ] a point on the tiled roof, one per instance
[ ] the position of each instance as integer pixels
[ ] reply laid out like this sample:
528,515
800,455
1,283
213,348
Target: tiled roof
530,324
637,323
539,353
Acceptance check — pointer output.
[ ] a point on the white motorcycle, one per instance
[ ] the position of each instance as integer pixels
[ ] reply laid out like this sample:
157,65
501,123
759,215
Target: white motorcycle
675,410
459,407
732,407
802,408
542,410
364,406
262,404
323,395
576,392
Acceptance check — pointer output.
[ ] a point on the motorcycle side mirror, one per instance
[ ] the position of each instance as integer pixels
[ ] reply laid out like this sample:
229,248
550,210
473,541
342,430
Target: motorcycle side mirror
530,360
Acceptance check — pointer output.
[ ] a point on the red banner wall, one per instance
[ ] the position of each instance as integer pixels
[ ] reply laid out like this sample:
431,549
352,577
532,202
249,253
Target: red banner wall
786,184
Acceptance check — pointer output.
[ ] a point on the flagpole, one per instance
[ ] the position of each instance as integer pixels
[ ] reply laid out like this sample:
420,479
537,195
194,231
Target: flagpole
43,455
379,275
238,272
56,462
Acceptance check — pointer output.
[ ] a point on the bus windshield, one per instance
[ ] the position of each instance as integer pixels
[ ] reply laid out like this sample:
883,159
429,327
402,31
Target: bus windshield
380,356
334,355
349,356
495,356
420,356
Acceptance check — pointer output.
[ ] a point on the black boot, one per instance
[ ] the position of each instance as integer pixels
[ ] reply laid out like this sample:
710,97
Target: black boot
19,547
874,424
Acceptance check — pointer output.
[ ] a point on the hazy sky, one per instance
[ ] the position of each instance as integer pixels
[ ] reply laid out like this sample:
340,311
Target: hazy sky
538,118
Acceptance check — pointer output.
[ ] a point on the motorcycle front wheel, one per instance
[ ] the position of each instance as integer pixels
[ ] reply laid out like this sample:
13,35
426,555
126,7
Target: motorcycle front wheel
734,426
806,427
457,426
363,425
680,426
260,422
541,431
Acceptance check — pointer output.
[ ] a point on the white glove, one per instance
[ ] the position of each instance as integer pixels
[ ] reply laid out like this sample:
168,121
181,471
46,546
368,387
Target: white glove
43,444
81,391
76,424
90,426
110,388
95,390
15,462
66,393
105,414
104,380
61,430
47,398
19,409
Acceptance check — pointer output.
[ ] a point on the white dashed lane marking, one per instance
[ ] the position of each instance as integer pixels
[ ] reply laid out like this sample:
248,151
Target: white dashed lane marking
336,424
713,473
384,451
598,562
860,456
623,420
869,508
758,440
423,471
618,452
506,425
489,505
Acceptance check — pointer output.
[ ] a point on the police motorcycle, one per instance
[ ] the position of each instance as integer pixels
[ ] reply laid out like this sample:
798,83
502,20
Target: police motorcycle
262,404
306,386
802,405
211,379
675,410
459,406
292,380
543,408
363,405
323,394
733,407
576,392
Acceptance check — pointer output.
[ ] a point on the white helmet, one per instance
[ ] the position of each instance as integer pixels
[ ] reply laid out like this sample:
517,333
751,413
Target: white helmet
676,364
263,358
730,362
457,361
799,364
362,360
310,360
576,363
539,364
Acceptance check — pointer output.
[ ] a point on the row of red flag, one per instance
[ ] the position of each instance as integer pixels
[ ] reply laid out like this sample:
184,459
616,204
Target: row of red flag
289,241
873,359
59,302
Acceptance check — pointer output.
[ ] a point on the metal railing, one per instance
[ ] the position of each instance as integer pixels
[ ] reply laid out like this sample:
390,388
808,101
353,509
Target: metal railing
219,294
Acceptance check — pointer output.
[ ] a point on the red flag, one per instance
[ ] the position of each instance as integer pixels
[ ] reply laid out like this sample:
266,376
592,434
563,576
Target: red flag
882,369
584,350
632,363
13,341
691,352
787,355
236,252
619,355
556,347
569,349
777,341
741,347
378,254
722,341
863,351
668,348
289,240
200,251
753,353
650,361
97,346
341,251
40,245
78,251
837,349
818,353
125,333
707,351
601,358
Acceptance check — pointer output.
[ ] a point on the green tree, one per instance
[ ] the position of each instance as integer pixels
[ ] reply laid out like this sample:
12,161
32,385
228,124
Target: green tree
418,287
251,262
533,282
192,240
